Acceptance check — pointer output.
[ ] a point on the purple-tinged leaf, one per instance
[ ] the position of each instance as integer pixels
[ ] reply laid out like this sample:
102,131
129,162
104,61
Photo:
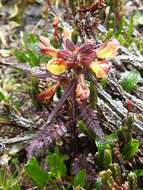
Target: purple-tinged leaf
86,48
45,137
69,45
90,117
68,91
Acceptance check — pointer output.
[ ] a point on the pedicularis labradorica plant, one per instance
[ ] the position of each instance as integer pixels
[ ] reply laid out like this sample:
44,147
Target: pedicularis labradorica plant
76,67
72,73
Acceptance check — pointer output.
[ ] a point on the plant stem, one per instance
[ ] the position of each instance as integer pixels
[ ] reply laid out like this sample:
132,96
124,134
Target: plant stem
74,120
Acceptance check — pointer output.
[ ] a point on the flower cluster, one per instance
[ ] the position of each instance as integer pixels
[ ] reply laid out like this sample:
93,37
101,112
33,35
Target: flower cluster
84,56
73,58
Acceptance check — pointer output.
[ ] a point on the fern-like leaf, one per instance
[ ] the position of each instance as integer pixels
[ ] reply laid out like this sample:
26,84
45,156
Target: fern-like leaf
45,137
90,117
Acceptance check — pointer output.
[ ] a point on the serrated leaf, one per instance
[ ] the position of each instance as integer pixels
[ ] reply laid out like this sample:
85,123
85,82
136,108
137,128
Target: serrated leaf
90,117
129,80
36,173
80,178
130,149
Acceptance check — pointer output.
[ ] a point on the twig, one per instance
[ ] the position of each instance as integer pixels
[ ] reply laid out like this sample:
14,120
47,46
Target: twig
6,122
21,121
137,103
118,108
16,139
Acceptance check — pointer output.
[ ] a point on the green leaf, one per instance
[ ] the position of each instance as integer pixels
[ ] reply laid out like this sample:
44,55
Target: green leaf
2,96
130,30
129,80
130,149
15,187
98,184
28,56
139,172
107,157
81,125
104,83
80,178
57,165
109,34
100,148
8,182
110,139
20,56
121,27
31,40
132,180
36,173
32,57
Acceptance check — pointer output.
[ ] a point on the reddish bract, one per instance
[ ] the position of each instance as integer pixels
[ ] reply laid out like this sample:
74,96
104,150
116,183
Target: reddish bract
47,94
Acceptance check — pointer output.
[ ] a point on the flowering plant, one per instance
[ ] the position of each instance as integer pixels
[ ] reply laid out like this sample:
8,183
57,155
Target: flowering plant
73,64
74,60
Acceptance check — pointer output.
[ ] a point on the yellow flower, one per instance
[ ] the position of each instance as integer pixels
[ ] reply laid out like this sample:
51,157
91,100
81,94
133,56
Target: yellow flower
107,50
56,66
100,68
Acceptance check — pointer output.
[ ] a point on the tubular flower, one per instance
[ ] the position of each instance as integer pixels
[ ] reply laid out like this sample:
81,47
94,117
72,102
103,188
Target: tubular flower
84,56
108,50
100,68
56,66
70,55
82,90
47,94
